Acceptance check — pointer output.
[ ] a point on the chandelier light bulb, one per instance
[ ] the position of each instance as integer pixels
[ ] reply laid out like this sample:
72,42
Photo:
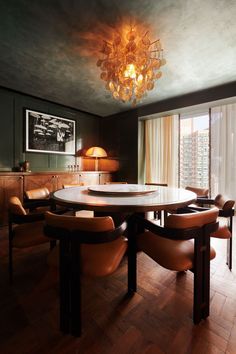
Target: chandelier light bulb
130,65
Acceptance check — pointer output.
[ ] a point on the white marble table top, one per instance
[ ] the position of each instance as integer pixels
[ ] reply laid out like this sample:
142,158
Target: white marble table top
160,199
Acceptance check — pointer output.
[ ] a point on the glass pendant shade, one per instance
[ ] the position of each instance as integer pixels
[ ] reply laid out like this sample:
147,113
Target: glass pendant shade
130,65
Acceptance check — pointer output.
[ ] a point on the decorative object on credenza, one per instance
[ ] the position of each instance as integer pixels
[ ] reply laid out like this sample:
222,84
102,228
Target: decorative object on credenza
130,63
96,152
49,134
26,166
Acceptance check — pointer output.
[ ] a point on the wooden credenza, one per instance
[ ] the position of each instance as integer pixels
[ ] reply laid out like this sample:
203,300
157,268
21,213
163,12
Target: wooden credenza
15,183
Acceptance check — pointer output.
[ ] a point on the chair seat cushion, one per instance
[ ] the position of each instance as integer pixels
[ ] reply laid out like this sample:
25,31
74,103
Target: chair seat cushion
175,255
223,230
29,234
97,260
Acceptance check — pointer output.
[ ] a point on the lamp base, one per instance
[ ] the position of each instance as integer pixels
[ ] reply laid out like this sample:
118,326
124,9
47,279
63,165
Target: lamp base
96,164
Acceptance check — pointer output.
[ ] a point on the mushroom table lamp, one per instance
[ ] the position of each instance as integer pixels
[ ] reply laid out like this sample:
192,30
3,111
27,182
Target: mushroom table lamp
96,152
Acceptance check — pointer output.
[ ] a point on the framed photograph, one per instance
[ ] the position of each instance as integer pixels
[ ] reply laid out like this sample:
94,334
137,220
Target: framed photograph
49,134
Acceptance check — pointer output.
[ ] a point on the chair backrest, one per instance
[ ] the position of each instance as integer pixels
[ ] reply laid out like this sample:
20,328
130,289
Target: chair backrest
71,223
201,192
15,206
115,183
189,220
157,184
224,203
38,193
65,186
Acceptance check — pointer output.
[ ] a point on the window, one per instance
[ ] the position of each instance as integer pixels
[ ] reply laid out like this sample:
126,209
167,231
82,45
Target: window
194,151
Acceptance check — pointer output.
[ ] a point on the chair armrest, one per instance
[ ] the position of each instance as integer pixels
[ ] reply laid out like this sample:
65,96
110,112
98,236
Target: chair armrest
226,213
35,203
166,232
186,210
198,208
85,236
206,200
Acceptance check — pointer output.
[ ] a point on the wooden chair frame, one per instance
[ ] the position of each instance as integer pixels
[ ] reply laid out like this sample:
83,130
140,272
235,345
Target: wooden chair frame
19,219
69,270
28,218
201,268
229,213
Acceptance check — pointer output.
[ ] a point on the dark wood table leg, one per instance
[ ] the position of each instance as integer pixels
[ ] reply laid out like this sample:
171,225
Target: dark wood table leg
75,294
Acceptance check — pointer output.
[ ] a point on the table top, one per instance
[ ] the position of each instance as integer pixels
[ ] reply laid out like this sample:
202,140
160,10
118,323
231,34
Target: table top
160,199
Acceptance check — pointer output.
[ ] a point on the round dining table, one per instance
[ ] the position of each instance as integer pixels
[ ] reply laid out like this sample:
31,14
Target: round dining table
110,199
127,198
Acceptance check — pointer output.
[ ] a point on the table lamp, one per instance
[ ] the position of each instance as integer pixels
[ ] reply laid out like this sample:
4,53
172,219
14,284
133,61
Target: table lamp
96,152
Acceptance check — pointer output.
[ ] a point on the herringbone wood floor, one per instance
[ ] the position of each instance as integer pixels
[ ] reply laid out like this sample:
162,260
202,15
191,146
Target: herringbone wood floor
155,320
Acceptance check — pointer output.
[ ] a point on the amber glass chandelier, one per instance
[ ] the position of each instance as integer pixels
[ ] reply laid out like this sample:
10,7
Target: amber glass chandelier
130,64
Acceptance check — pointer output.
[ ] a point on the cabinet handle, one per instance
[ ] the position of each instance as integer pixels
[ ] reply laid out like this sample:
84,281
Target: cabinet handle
21,177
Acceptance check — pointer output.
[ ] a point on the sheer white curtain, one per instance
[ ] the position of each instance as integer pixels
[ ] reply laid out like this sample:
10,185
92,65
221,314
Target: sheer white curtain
223,150
158,150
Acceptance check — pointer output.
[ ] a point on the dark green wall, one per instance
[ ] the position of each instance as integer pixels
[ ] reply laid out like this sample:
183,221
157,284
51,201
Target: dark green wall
12,105
119,136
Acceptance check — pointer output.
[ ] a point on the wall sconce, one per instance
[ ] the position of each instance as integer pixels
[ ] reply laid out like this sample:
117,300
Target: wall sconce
96,152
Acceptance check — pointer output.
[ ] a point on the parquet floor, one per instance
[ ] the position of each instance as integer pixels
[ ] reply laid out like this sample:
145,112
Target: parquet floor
155,320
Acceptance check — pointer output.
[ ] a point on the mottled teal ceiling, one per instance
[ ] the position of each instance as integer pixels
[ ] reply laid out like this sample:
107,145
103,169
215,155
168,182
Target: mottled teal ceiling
43,51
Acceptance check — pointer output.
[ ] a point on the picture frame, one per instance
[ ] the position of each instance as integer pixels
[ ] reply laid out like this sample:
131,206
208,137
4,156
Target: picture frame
47,133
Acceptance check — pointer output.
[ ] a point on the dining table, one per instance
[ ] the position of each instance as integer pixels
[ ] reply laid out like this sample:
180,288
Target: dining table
127,198
130,199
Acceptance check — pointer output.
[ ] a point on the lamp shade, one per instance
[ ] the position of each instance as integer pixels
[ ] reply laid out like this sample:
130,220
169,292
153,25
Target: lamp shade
96,151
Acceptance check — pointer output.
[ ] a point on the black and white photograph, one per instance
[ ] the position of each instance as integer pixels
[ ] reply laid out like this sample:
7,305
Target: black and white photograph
49,134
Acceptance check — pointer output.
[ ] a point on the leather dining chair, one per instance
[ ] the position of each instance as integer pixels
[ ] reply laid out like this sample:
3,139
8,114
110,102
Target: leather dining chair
115,183
38,193
201,192
88,247
226,213
184,244
157,184
38,199
25,229
65,186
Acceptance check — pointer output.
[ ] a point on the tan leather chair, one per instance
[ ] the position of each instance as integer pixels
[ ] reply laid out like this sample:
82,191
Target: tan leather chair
184,244
38,200
157,184
115,183
25,229
38,193
201,192
65,186
88,246
226,213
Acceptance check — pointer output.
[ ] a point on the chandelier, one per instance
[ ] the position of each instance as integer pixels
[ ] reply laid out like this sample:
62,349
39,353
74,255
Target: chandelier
130,64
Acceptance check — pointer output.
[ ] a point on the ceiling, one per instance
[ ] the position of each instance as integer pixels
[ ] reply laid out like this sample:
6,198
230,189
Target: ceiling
48,48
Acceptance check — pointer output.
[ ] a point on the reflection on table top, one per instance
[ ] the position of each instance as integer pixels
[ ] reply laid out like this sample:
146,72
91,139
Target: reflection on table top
161,198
